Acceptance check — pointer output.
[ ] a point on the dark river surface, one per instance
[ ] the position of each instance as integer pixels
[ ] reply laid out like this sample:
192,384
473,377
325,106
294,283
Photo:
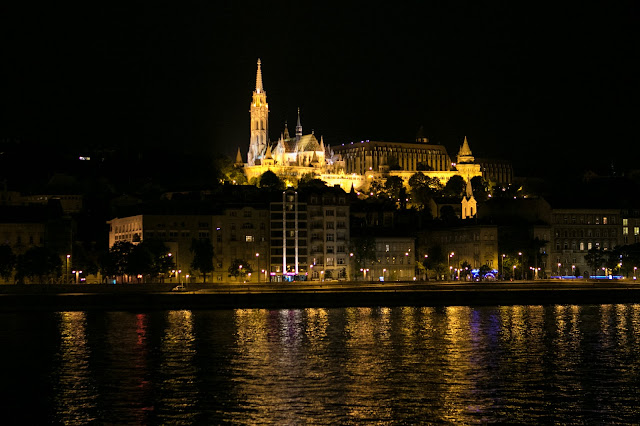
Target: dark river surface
506,364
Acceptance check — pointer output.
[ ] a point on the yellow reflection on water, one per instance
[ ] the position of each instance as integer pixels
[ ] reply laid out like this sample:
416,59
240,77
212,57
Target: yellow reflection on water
621,324
75,393
178,370
457,382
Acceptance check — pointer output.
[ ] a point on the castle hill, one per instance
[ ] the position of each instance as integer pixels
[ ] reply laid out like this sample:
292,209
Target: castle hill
304,221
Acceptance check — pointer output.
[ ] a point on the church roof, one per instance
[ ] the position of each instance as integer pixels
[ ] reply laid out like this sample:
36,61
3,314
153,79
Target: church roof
306,143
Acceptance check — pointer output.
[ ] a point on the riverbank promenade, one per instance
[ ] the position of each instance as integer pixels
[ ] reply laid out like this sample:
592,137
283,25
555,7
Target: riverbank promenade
312,295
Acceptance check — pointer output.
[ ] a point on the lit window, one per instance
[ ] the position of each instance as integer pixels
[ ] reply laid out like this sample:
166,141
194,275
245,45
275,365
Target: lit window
636,230
604,220
625,230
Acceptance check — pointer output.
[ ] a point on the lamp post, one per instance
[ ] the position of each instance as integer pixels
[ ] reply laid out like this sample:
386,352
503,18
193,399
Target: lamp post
573,270
635,268
502,266
258,265
66,271
521,266
352,271
449,263
426,271
559,265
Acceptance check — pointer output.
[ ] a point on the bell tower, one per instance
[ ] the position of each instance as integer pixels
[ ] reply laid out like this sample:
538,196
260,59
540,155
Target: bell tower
259,121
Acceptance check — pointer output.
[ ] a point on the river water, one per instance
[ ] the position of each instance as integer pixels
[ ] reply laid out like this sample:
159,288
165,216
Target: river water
514,364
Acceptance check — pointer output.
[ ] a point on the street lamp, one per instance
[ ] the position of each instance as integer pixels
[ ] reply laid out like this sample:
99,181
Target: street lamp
635,268
521,266
449,263
559,264
258,265
66,271
573,270
502,266
426,271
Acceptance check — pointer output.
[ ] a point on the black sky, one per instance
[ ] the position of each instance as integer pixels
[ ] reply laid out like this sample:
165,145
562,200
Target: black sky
532,83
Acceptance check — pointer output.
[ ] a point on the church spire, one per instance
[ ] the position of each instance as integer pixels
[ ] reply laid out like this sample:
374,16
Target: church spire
469,189
239,157
259,87
465,155
259,123
298,127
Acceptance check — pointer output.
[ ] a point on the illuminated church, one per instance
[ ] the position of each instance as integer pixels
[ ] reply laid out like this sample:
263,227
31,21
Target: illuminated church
353,164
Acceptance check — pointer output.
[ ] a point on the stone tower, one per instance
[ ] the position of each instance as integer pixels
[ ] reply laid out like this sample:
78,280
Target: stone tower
259,121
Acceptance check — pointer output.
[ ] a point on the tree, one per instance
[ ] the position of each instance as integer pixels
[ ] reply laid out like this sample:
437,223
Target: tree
376,189
394,186
38,262
436,261
392,162
85,258
448,215
240,268
511,266
483,271
422,166
364,251
7,261
455,186
480,188
229,172
115,262
270,180
630,258
202,250
154,257
594,259
466,267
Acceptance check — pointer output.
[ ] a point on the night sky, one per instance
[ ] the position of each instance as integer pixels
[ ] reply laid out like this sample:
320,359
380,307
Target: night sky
551,83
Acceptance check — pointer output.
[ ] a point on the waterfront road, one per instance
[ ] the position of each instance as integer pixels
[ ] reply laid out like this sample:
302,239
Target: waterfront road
314,294
314,286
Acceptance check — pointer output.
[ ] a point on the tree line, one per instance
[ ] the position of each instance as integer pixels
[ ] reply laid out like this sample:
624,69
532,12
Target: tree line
150,260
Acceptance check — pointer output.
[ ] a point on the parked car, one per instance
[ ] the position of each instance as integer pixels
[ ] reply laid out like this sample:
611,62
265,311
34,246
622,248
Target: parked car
179,287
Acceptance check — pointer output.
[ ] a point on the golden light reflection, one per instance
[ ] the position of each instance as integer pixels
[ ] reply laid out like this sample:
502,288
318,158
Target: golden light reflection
458,384
178,367
75,391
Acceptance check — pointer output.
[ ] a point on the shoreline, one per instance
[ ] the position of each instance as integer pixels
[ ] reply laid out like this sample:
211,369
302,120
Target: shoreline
134,298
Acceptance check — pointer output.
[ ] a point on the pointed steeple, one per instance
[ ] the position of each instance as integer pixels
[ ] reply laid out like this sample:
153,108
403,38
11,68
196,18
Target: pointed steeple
259,123
268,154
238,157
465,155
259,88
469,188
298,127
321,144
286,131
